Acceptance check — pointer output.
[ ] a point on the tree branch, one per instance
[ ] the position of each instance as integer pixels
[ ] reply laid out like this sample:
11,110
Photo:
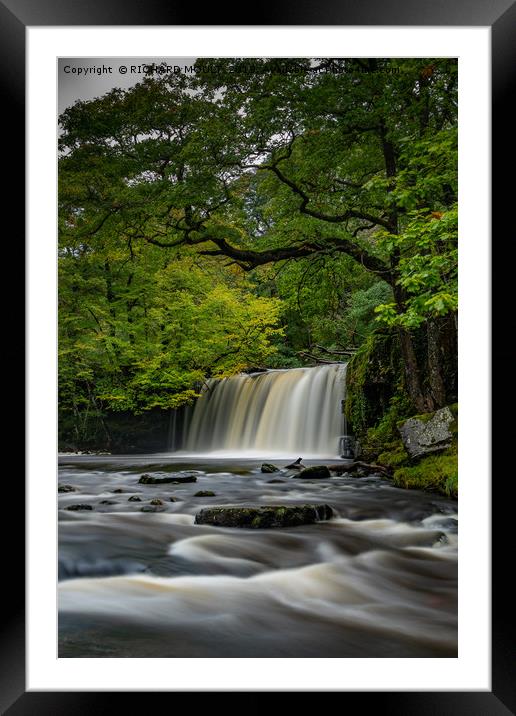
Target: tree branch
250,259
346,351
305,199
304,354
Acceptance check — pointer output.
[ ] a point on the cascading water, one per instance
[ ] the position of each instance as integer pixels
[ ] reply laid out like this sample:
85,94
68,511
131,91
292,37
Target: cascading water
377,580
295,412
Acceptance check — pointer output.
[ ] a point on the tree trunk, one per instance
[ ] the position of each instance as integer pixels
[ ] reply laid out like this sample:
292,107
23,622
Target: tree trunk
421,402
437,386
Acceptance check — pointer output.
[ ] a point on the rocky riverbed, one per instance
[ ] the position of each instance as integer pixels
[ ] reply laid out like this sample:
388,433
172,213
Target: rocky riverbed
364,569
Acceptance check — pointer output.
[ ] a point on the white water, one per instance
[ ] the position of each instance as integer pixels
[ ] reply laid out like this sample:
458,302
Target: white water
289,413
377,580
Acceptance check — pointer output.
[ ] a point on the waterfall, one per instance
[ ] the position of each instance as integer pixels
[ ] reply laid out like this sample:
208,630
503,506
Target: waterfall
295,412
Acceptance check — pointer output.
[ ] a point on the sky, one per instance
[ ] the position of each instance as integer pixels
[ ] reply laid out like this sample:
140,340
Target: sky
85,78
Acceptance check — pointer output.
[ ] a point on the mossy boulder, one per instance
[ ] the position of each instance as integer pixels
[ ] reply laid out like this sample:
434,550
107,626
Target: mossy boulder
428,433
268,467
134,498
78,508
173,479
156,501
204,493
435,470
66,488
271,516
315,472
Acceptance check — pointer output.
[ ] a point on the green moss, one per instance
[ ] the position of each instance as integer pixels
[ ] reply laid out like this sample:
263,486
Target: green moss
373,379
451,486
395,457
385,437
436,473
422,417
426,417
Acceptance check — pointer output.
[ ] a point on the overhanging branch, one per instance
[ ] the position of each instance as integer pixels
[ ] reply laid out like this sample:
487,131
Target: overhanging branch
250,259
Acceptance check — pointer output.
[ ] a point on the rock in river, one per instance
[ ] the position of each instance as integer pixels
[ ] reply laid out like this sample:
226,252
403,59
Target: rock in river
316,472
204,493
66,488
268,467
263,517
77,508
297,465
174,479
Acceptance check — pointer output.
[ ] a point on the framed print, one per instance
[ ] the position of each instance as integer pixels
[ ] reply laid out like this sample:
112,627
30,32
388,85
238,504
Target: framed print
257,292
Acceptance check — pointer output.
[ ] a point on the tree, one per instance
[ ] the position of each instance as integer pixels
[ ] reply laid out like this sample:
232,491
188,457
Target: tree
266,161
138,333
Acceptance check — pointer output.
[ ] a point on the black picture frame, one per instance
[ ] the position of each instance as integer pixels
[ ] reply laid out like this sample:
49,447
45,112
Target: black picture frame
500,16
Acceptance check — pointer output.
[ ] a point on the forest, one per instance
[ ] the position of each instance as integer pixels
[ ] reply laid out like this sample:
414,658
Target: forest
260,214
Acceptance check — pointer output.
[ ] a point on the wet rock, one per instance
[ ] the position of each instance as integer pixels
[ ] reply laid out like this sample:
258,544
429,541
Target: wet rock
426,434
316,472
79,507
172,499
107,502
66,488
268,467
134,498
263,517
173,480
204,493
357,468
448,524
156,501
297,465
275,482
117,491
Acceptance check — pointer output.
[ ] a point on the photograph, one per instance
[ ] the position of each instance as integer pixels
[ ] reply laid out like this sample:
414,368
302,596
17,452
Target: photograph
257,405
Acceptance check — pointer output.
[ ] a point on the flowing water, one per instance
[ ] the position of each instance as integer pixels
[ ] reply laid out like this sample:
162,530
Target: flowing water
377,580
276,413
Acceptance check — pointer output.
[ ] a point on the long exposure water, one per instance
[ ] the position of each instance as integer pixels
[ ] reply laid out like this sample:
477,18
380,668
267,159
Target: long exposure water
278,412
377,580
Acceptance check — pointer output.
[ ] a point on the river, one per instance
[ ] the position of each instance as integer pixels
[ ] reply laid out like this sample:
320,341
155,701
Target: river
379,579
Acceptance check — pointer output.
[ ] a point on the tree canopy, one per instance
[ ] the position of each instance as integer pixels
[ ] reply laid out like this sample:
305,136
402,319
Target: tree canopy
243,214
